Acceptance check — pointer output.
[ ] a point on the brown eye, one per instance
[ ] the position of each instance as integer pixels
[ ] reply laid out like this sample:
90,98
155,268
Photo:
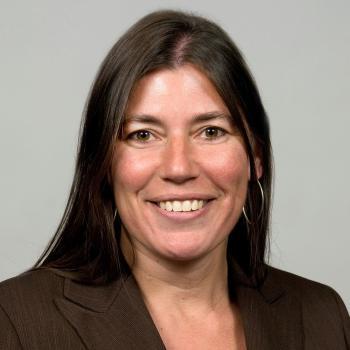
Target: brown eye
143,135
140,135
214,132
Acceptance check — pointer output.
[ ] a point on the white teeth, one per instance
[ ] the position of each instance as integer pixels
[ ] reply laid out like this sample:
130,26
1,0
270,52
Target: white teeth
186,205
194,205
168,206
177,206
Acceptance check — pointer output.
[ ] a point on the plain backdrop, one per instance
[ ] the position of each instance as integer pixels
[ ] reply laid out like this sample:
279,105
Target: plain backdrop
299,53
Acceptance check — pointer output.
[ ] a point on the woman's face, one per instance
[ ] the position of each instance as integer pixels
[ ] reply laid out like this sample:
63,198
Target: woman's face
179,151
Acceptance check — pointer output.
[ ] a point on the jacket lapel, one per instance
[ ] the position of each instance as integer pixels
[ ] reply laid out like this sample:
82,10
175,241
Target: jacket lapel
272,319
115,316
109,317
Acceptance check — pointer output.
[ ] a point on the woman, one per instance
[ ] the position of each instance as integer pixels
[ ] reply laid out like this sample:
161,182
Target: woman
163,241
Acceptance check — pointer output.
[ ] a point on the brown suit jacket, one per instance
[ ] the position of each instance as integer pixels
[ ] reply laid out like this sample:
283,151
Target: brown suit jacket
45,310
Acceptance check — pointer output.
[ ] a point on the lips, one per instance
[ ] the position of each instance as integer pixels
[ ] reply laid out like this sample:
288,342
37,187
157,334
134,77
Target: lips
181,205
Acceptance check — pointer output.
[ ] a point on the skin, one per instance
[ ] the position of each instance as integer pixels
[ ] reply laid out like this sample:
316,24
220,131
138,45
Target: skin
180,263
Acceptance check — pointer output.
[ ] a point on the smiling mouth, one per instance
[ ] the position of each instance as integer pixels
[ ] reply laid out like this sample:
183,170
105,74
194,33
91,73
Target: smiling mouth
182,206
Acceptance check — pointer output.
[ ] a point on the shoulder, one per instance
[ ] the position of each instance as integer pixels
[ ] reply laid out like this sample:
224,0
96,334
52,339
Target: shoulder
30,295
299,286
31,287
320,305
29,314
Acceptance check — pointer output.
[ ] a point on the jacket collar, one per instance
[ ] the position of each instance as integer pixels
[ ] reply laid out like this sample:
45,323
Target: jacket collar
116,315
94,298
271,315
112,316
100,298
270,288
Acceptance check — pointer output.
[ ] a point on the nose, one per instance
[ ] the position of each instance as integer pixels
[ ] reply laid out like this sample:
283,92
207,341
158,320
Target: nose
178,163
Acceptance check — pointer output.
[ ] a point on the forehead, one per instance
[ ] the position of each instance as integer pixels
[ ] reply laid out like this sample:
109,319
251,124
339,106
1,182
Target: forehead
183,92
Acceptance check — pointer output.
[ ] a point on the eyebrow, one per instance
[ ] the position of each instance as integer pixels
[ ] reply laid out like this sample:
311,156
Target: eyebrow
196,119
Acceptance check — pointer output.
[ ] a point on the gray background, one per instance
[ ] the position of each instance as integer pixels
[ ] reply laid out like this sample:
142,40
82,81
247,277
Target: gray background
300,56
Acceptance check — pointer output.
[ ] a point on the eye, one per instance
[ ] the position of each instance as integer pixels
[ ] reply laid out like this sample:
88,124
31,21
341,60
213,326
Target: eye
213,132
140,135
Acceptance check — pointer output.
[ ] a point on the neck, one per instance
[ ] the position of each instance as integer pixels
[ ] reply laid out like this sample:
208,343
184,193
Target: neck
199,284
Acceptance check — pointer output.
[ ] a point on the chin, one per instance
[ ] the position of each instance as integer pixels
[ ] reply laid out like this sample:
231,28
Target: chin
183,256
184,252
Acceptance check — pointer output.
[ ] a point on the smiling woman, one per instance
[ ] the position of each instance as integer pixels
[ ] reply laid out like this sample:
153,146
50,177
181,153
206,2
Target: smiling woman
164,240
167,161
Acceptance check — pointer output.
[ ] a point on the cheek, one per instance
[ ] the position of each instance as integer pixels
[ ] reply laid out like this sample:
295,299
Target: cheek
131,170
228,166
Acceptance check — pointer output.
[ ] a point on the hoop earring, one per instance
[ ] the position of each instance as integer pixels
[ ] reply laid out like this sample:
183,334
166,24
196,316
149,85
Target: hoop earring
115,214
262,205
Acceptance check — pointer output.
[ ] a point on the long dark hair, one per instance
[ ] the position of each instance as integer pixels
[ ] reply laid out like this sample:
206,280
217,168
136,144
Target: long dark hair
87,241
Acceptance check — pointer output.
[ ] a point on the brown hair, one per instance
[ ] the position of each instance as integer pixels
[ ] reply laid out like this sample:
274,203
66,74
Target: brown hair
87,241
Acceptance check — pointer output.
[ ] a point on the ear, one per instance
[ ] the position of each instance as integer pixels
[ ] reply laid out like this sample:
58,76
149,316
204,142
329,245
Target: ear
258,168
